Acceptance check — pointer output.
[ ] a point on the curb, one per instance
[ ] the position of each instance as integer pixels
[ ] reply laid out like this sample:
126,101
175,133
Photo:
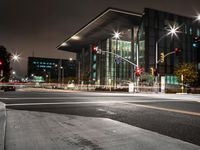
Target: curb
2,125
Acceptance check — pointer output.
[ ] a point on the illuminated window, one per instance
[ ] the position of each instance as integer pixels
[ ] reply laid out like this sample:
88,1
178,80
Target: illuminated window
198,32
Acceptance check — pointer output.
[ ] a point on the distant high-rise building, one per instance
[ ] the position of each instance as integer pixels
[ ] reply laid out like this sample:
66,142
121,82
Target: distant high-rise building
52,70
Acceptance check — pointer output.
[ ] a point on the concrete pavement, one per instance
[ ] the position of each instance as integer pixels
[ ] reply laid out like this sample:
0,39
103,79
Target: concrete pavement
2,124
39,130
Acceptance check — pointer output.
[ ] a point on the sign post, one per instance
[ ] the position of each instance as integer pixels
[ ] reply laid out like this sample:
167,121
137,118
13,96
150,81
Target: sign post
162,84
131,87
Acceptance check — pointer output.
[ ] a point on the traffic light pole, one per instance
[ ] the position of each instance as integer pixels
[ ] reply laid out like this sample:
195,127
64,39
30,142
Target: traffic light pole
99,51
119,57
166,56
157,61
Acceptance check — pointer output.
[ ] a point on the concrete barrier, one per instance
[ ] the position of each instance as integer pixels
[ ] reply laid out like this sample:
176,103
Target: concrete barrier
2,125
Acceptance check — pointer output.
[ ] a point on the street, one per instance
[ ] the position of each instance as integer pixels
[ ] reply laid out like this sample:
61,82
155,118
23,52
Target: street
142,121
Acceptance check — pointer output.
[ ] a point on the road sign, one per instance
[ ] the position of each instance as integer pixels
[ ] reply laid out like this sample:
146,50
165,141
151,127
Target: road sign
118,59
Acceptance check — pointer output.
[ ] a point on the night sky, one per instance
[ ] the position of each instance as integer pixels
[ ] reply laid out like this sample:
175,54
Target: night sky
36,27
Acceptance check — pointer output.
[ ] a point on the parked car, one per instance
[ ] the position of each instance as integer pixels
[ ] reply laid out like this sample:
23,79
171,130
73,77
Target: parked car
8,88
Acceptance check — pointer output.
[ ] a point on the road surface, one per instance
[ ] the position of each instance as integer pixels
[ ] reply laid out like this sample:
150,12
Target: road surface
88,120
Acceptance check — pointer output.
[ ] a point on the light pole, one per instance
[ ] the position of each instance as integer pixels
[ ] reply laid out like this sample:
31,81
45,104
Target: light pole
171,31
116,36
62,74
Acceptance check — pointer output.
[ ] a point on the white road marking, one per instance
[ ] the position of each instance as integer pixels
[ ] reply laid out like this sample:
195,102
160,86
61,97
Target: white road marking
107,111
60,103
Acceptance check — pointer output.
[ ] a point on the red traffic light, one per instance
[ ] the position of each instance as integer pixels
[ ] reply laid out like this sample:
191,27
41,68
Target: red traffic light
196,39
1,63
138,71
177,51
94,49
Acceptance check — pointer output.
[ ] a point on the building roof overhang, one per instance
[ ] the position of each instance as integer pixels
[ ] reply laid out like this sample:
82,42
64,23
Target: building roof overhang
101,28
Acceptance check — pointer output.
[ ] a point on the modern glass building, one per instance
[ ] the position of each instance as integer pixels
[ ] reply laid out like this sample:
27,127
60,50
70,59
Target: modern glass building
139,34
54,70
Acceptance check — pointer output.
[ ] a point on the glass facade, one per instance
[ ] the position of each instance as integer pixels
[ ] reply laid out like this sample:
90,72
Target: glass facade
107,68
156,23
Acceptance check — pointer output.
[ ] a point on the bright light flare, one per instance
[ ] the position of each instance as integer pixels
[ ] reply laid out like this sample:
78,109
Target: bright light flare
173,30
15,57
198,17
117,35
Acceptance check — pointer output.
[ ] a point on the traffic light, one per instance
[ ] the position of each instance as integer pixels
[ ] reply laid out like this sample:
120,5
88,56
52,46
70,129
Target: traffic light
177,51
162,57
195,41
152,71
94,49
138,71
1,64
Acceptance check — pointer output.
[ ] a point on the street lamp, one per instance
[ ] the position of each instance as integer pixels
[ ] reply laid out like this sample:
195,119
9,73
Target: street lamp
171,31
13,72
15,57
116,36
62,74
198,17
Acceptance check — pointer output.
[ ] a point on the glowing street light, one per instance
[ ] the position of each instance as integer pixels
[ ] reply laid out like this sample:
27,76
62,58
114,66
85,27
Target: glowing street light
173,30
70,59
116,35
15,57
13,72
198,17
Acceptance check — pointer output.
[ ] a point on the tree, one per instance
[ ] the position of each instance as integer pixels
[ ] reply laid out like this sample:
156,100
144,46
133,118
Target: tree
146,78
188,72
5,63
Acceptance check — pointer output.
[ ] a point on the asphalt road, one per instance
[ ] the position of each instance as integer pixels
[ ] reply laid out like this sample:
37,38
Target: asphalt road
177,118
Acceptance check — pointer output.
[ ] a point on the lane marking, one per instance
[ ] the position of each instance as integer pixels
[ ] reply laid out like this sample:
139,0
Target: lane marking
67,103
107,111
168,109
92,102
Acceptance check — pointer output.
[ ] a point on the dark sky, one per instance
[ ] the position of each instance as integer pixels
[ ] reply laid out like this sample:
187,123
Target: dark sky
40,25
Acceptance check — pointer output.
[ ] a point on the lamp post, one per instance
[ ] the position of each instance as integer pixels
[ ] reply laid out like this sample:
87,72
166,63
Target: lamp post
171,31
116,36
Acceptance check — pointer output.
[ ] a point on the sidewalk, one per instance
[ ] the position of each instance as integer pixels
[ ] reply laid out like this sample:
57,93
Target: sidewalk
28,130
2,125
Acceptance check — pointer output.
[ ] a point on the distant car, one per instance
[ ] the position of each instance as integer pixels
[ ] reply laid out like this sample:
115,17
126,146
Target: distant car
9,88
